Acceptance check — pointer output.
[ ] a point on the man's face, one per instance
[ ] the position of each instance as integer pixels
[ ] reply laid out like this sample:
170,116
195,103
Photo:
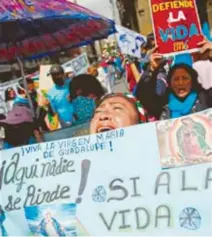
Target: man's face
58,78
115,112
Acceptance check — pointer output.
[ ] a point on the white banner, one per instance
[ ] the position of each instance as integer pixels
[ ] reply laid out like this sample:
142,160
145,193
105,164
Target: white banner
129,41
112,184
79,65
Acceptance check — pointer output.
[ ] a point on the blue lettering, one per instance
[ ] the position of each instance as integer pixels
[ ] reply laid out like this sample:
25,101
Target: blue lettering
178,33
48,154
172,30
193,30
34,148
164,35
181,32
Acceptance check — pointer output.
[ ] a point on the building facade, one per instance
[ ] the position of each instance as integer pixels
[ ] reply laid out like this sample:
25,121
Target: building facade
139,18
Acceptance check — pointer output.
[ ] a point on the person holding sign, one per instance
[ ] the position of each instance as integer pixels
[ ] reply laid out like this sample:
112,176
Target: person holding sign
59,96
185,95
117,111
156,72
176,26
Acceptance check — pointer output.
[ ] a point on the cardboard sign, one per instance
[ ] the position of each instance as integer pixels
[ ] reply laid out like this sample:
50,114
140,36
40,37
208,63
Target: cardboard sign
176,25
45,80
114,178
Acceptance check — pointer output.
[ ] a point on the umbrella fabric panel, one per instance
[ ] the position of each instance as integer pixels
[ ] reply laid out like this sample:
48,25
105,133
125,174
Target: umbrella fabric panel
18,31
12,10
27,33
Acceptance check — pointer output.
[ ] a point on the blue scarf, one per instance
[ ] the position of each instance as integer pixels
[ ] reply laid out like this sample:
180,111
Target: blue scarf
181,108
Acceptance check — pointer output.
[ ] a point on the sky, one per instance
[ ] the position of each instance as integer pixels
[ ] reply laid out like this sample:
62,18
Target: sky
102,7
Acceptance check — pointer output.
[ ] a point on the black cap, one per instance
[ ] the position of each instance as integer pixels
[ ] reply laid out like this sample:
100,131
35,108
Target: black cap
56,69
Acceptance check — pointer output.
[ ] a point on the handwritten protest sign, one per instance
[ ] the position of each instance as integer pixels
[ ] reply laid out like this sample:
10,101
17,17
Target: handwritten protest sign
45,80
105,184
79,64
129,41
176,25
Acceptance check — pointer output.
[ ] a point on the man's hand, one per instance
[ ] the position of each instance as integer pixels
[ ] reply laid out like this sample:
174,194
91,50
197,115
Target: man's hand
42,101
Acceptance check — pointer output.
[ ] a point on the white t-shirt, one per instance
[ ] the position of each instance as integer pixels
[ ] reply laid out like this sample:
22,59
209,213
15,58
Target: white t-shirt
204,69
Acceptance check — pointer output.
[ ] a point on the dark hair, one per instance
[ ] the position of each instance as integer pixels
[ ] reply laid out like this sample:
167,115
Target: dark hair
29,80
6,93
21,90
2,116
19,135
88,84
151,36
193,73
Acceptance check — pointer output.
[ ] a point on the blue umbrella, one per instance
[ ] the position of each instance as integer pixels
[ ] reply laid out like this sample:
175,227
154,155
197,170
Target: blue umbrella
38,27
30,28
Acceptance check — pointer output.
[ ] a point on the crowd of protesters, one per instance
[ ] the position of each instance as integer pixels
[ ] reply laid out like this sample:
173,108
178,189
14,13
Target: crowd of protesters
159,88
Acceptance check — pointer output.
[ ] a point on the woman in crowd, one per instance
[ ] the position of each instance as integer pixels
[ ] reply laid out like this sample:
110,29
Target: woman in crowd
184,95
154,87
85,90
117,111
19,125
9,98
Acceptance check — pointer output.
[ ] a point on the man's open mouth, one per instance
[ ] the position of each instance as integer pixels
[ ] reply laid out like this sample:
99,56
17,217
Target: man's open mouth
104,129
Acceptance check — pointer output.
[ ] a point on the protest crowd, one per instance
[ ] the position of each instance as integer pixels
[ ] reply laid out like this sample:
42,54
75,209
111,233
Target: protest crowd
158,88
105,116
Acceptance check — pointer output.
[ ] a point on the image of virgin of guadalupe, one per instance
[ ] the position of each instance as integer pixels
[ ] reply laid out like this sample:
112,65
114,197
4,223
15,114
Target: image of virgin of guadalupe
49,226
3,231
191,139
